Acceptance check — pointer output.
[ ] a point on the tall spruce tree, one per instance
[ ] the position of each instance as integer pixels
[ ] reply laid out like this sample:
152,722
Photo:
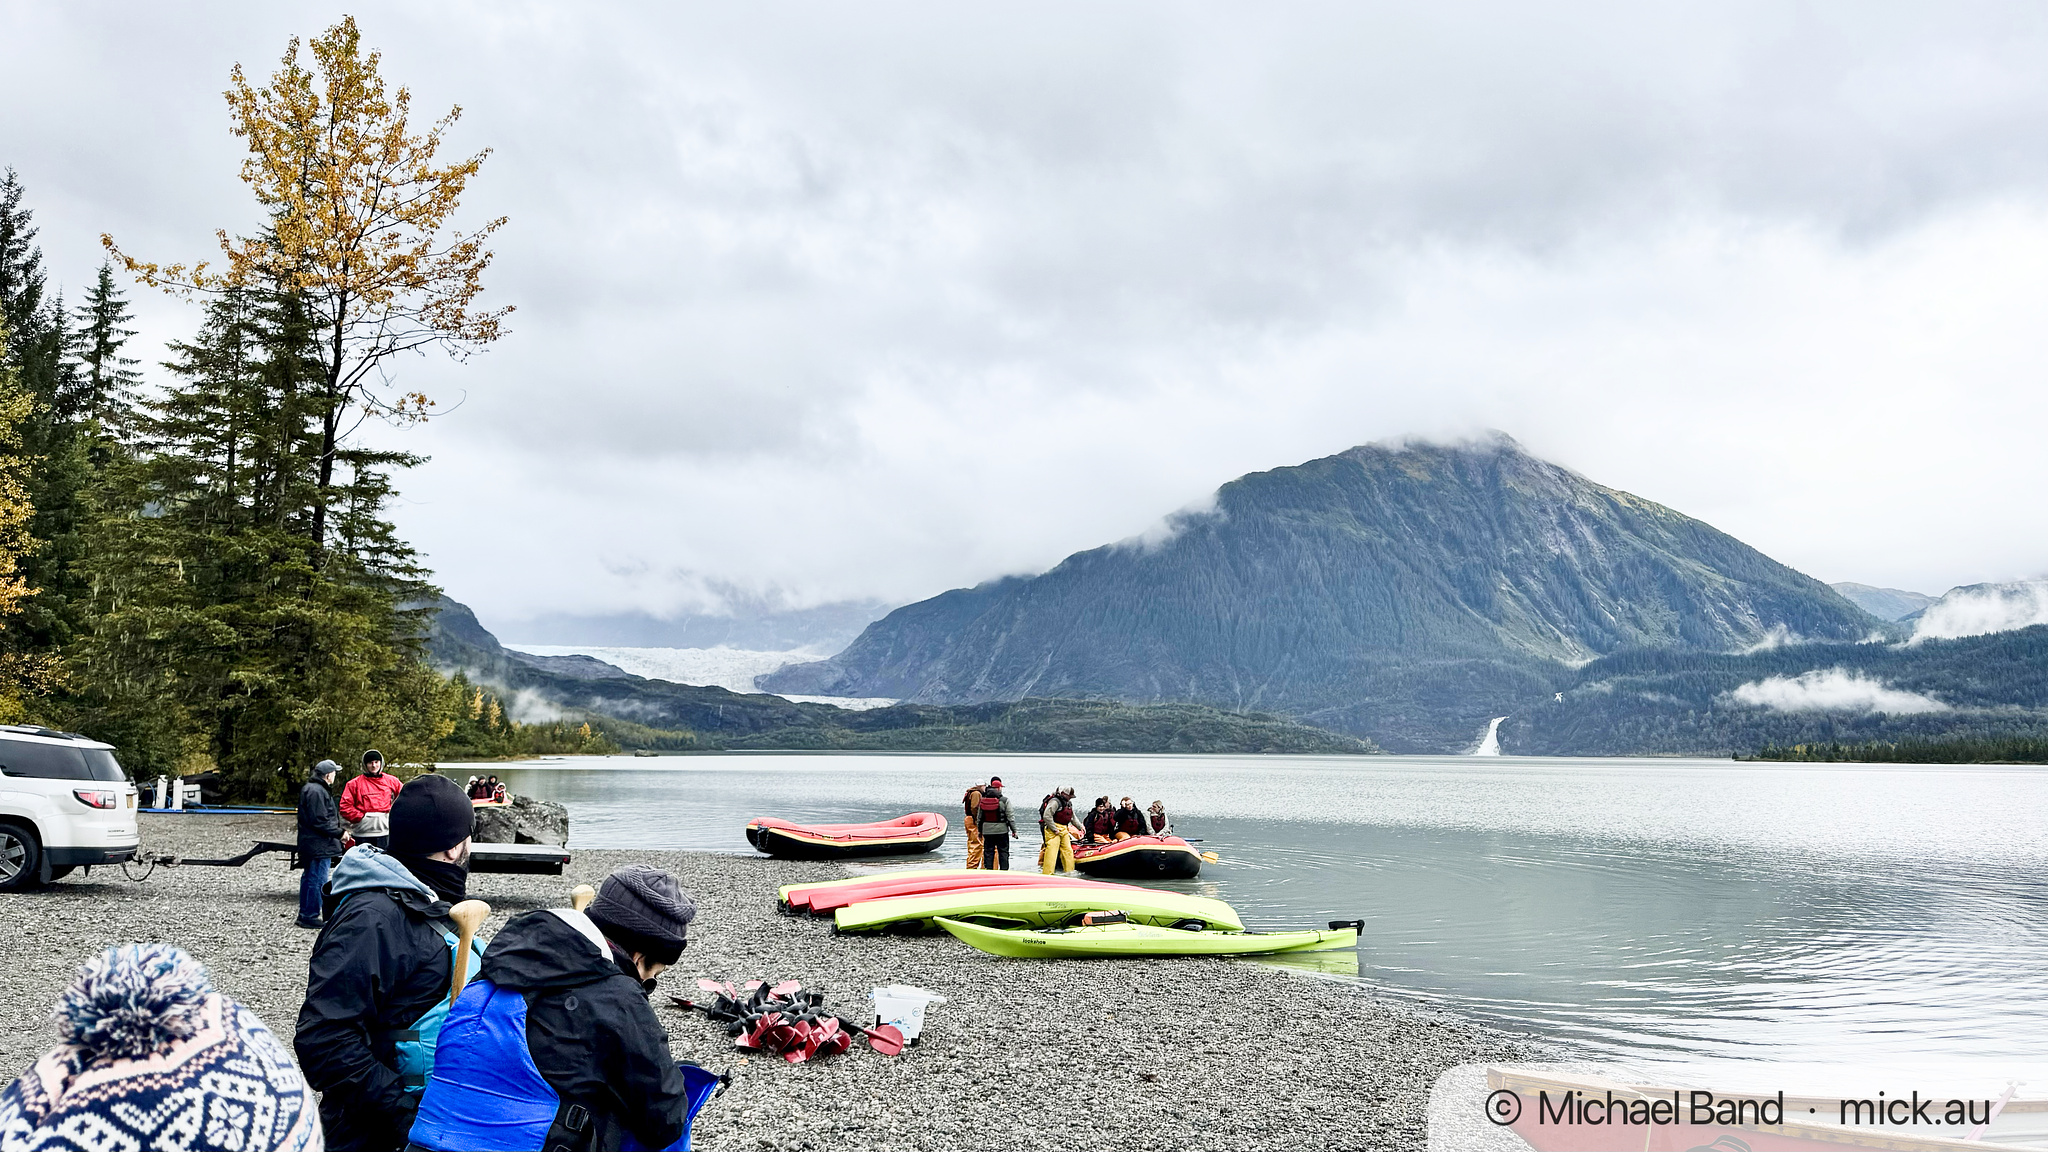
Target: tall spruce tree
105,381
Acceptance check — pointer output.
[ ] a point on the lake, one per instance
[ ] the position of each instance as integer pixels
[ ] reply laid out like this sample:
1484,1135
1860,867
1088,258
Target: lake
1640,908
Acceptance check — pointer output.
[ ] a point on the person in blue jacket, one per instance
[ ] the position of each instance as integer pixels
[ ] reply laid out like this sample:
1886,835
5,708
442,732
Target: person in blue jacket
377,983
556,1045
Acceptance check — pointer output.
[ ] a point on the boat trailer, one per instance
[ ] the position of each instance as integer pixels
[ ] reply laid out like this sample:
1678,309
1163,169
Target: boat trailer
535,859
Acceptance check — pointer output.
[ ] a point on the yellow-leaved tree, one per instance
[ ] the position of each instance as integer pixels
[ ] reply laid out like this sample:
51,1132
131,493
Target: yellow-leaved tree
360,231
21,675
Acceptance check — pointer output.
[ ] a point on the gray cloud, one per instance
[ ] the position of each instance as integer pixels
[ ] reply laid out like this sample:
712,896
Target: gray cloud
873,300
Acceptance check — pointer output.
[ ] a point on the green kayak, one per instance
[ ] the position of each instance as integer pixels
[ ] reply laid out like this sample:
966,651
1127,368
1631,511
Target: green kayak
1145,940
1036,907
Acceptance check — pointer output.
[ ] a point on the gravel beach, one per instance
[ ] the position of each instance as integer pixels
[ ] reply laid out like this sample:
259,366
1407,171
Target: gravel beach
1147,1054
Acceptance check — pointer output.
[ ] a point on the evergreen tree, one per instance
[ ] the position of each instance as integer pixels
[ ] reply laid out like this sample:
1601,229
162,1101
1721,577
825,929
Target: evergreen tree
54,458
106,380
223,635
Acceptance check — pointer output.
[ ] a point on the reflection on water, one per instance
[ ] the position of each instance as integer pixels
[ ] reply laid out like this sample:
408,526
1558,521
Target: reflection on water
1639,907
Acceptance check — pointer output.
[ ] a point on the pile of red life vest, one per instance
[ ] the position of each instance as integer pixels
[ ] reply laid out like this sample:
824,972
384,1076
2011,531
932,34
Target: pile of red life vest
784,1020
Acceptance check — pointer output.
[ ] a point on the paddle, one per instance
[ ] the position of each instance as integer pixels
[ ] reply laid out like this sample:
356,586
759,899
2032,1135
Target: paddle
884,1038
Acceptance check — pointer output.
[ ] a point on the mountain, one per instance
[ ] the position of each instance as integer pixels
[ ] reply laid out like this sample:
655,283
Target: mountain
1884,603
750,624
1403,591
1983,609
637,712
1987,687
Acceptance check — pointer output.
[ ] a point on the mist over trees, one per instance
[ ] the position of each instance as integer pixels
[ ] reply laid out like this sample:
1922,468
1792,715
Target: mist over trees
204,573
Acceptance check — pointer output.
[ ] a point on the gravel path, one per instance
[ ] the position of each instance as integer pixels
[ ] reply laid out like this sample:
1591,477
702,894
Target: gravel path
1161,1054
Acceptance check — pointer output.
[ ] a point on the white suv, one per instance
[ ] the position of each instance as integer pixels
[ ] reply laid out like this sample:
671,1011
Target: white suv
64,803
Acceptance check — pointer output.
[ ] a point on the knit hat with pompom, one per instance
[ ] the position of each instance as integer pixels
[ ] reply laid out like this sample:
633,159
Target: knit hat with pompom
152,1057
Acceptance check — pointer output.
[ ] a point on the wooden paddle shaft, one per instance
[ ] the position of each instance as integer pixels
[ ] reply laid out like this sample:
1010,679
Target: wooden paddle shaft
468,916
580,898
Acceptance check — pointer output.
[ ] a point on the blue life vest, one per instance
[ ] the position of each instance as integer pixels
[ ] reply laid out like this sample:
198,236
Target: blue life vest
416,1044
487,1094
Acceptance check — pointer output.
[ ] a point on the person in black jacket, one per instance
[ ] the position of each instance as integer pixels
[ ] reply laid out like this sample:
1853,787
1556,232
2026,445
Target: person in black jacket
319,839
564,994
377,983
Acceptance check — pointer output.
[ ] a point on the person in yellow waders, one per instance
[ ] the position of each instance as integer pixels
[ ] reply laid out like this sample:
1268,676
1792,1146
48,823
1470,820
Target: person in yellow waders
1056,821
972,801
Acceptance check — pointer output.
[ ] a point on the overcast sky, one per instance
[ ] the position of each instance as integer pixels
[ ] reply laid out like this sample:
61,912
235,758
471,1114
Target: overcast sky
853,299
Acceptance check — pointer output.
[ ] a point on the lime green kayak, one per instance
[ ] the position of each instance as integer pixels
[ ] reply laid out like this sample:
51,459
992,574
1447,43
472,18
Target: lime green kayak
1041,906
1144,940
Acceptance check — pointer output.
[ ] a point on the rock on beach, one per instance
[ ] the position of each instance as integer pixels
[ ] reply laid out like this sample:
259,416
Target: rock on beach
1145,1054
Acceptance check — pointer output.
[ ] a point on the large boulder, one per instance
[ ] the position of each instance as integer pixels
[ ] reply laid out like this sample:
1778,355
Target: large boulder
524,821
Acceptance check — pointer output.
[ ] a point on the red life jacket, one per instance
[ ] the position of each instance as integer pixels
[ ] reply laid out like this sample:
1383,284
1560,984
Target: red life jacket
1062,812
1159,823
991,808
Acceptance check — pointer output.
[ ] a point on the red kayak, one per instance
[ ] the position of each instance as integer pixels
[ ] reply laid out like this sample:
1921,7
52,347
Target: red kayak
823,901
903,836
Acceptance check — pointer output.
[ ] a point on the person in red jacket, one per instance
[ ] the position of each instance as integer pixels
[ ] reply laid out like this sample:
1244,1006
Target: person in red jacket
366,802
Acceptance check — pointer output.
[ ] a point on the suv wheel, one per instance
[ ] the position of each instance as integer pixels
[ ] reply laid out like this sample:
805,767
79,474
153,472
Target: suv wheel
20,857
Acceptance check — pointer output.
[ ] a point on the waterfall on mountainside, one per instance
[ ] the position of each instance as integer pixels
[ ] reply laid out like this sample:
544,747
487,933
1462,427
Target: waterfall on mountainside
1491,745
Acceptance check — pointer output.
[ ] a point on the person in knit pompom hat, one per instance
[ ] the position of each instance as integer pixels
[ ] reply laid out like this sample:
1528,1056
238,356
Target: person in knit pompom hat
152,1057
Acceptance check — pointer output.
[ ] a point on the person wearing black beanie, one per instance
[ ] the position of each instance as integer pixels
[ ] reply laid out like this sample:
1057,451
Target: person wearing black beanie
379,969
431,822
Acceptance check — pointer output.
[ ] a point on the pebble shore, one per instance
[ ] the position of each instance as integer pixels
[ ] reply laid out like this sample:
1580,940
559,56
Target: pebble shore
1142,1054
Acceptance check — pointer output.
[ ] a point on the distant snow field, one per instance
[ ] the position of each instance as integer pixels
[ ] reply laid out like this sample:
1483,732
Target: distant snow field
733,669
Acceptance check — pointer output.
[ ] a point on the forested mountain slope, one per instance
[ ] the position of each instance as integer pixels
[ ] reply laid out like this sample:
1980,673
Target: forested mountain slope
1406,592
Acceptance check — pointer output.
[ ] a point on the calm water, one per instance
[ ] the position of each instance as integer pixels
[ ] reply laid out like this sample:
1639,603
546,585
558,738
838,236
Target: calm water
1639,907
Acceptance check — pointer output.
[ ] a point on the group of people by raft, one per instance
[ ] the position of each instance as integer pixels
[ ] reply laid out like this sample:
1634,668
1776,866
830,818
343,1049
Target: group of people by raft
990,826
488,790
554,1044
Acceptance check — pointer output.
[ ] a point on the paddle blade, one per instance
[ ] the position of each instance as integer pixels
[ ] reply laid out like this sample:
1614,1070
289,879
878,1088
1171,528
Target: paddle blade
886,1039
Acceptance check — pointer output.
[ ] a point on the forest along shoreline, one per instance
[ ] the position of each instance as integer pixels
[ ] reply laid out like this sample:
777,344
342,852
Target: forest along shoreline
1206,1053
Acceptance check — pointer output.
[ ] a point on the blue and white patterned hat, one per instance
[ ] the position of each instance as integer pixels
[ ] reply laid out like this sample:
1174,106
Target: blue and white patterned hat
153,1058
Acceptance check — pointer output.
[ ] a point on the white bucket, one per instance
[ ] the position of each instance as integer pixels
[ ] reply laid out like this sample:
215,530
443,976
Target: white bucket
903,1006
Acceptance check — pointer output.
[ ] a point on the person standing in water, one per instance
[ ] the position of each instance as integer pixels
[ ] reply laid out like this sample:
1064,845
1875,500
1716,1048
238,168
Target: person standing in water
972,802
1055,821
996,826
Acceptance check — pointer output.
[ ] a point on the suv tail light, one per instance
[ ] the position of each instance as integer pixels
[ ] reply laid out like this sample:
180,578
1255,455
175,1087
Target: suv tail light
94,799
